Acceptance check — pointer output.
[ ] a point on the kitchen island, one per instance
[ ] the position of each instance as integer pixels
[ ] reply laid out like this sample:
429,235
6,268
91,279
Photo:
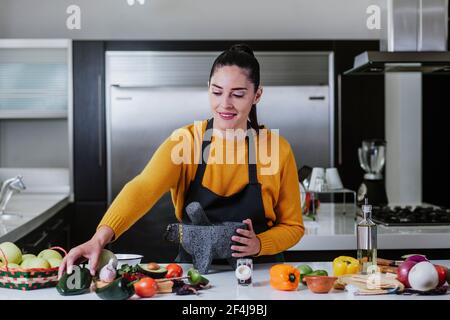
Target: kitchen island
224,287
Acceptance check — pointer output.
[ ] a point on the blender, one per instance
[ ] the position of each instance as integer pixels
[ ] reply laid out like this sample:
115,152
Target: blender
372,157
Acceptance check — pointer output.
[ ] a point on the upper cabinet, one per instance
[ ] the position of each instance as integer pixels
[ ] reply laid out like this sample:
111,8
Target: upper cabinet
36,126
35,78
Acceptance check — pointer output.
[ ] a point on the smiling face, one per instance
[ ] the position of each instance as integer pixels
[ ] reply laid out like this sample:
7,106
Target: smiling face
231,96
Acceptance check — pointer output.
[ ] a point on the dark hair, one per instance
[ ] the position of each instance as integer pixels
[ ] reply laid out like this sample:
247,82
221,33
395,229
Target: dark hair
241,55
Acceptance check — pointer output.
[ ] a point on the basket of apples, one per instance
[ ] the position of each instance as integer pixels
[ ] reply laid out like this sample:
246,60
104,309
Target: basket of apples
28,271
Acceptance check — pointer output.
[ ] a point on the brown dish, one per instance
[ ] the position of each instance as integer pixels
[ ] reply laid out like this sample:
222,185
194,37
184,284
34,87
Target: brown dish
320,284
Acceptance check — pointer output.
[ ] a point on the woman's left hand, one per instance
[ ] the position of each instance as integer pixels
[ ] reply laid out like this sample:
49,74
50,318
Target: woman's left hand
251,244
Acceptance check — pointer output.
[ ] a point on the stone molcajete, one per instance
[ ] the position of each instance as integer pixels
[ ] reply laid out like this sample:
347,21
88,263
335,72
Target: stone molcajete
203,240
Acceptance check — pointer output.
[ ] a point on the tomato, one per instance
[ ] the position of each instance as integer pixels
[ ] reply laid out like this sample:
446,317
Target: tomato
174,270
442,273
146,287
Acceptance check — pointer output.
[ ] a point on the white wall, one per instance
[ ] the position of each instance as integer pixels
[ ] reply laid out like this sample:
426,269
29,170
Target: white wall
189,19
403,123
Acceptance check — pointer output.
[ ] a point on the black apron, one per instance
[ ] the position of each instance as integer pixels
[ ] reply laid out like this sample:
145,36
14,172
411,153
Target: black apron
245,204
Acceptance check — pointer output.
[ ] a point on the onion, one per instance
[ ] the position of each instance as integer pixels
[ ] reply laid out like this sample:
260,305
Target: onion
415,257
423,276
403,271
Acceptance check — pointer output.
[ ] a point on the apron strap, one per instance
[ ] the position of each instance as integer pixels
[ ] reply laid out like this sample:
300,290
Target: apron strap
251,158
206,141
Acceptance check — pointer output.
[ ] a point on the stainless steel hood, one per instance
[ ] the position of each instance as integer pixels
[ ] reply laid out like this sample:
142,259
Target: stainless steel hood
379,62
414,39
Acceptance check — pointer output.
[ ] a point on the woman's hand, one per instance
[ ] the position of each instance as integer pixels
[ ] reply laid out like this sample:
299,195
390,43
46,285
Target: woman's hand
90,250
251,244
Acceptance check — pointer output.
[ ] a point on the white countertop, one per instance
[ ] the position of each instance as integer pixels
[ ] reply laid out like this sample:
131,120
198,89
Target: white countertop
47,192
34,208
225,287
334,230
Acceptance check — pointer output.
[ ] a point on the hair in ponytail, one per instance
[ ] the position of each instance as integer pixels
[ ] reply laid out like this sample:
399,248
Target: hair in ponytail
241,55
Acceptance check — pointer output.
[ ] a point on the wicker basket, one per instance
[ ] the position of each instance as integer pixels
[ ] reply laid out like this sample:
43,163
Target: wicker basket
28,279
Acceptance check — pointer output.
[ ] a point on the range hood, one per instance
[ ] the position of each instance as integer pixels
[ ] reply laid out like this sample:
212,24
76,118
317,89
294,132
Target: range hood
414,39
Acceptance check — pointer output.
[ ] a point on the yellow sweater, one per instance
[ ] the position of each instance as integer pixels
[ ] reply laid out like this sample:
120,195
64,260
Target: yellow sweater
280,188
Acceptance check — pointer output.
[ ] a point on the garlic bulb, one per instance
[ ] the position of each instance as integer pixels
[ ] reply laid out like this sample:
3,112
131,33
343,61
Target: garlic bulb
108,272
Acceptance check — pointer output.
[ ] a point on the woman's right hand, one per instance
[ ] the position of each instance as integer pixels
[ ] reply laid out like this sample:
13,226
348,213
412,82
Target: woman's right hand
90,250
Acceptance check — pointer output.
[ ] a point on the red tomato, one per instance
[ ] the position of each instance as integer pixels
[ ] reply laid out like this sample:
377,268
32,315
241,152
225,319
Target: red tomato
174,270
442,273
146,287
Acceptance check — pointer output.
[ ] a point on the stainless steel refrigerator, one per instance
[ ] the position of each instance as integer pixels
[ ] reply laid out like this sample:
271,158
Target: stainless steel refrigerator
150,94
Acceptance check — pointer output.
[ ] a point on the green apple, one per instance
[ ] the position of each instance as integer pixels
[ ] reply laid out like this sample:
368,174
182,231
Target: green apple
37,263
11,251
27,256
49,253
13,266
25,263
54,262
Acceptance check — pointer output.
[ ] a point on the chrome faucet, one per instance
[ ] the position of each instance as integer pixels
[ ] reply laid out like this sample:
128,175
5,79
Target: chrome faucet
9,187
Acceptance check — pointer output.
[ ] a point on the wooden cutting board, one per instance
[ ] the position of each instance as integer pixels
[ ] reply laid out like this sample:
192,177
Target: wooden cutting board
380,283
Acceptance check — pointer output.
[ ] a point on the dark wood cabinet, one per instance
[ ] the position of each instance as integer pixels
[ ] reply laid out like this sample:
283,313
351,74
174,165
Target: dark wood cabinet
435,135
54,232
436,142
90,181
89,121
359,112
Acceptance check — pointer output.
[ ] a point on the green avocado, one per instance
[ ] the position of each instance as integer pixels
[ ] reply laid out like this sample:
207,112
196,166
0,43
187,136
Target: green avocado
155,274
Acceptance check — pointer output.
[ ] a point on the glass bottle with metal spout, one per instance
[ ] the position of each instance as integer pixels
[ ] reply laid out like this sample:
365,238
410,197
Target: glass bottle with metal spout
366,233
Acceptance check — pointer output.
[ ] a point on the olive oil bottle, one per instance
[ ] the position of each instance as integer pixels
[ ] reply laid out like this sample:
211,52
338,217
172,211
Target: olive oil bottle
366,233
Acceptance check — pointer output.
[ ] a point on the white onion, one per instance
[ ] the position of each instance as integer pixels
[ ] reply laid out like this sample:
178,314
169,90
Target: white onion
423,276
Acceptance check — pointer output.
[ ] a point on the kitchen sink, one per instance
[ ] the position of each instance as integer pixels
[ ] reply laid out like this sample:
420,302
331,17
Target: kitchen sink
11,220
11,216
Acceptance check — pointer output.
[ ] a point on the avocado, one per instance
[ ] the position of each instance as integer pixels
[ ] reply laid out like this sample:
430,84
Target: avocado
152,273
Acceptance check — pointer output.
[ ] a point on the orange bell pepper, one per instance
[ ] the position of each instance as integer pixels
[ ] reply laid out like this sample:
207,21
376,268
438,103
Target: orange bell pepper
284,277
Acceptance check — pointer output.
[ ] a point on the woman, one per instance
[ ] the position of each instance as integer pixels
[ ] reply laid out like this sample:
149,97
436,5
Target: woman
268,203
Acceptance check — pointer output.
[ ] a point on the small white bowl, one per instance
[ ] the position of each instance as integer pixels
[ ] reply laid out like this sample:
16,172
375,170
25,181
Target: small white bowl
129,259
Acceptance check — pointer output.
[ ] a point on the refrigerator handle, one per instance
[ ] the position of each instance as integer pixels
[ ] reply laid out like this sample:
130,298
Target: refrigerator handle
339,119
100,122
